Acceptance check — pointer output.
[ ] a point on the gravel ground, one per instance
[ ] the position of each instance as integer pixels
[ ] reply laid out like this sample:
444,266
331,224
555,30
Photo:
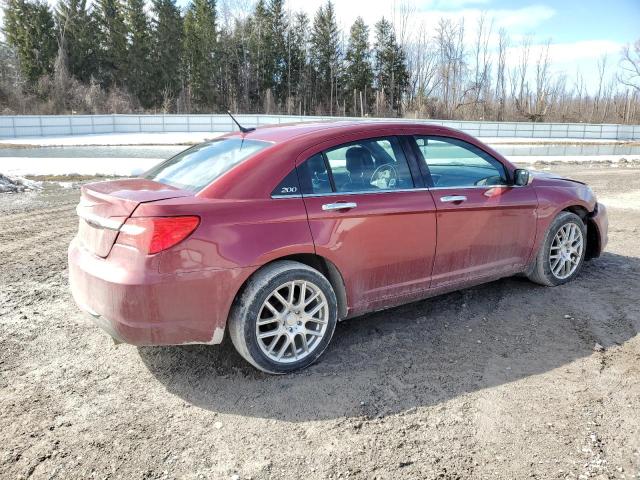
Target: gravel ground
507,380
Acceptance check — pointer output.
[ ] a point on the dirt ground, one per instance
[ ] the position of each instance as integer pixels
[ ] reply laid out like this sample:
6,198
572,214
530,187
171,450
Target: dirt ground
501,381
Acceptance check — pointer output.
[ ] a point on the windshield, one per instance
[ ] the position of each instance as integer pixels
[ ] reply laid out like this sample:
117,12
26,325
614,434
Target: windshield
198,166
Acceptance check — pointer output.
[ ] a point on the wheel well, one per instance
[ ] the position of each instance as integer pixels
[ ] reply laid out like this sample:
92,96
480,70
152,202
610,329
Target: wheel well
324,266
593,238
579,211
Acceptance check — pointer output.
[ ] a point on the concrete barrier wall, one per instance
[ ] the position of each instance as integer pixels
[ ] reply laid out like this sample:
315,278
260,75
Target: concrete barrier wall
46,125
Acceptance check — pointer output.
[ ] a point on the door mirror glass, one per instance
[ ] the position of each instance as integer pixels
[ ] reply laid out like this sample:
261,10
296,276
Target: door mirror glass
522,177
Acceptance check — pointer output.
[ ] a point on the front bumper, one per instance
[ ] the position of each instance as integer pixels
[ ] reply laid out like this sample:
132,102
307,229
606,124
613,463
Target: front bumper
141,306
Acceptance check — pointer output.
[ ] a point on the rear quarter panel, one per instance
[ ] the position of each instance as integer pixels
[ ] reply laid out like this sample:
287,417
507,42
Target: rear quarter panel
234,233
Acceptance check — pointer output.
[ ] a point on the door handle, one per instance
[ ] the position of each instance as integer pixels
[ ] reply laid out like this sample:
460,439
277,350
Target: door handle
453,198
339,206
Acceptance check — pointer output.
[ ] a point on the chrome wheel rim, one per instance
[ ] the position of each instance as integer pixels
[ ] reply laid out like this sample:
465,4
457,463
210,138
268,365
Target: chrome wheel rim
292,321
565,253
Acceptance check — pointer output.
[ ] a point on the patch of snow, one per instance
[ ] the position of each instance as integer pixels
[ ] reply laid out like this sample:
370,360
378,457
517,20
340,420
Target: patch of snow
555,141
167,138
22,166
13,184
614,159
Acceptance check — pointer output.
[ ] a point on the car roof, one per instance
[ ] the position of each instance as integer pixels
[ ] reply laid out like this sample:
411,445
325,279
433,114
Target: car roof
321,130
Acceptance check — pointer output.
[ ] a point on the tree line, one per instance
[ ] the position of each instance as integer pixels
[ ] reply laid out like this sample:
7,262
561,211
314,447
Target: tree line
118,56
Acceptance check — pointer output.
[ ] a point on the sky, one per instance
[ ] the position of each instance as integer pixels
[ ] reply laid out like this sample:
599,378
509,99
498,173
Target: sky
581,31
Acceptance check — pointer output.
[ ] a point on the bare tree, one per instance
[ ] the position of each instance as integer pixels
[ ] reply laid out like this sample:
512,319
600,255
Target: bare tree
630,66
501,86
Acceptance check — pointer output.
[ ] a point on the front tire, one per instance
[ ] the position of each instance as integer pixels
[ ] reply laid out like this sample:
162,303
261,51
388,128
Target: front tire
561,255
284,318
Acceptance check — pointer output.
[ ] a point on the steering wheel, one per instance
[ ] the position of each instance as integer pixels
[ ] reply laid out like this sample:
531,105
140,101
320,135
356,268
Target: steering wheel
487,181
385,176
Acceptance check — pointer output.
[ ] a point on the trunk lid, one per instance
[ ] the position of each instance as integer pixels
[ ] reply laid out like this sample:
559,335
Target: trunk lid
104,207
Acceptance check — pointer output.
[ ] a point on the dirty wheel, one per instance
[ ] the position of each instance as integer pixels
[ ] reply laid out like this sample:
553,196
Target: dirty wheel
284,318
562,254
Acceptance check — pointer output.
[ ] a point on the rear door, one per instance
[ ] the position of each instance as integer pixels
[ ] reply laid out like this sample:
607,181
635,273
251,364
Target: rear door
370,214
486,227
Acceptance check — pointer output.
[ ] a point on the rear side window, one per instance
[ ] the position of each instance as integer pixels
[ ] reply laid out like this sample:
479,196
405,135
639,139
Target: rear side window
370,165
198,166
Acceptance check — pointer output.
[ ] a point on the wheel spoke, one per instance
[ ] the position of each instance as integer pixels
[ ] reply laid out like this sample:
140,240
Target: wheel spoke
313,297
312,333
305,344
303,293
292,290
315,309
269,334
556,268
272,308
267,321
284,348
280,298
273,344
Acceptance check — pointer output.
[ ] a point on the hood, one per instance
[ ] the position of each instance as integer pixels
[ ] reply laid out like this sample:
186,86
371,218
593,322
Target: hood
553,179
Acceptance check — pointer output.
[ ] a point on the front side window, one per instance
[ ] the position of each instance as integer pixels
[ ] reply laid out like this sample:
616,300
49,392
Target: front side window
370,165
455,163
197,167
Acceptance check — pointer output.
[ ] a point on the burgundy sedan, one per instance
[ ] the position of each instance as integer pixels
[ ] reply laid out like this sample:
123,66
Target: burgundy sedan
278,233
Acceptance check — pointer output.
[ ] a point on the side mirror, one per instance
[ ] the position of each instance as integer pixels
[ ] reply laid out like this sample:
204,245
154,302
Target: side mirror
522,177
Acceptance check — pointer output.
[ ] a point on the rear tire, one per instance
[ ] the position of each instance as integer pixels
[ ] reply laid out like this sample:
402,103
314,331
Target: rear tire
561,255
284,318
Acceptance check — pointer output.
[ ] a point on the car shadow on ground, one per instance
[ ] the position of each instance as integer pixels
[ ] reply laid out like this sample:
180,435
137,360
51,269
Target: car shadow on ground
422,353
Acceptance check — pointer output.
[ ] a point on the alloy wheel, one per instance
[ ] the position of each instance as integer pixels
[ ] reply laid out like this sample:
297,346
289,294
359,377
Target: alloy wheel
292,321
565,253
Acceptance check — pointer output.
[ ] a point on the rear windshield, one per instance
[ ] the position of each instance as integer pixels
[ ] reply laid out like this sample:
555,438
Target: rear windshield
198,166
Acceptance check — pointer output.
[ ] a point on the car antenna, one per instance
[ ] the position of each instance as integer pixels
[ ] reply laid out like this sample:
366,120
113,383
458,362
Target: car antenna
242,129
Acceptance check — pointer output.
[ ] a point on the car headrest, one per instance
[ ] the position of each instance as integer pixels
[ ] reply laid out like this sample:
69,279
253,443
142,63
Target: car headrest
359,160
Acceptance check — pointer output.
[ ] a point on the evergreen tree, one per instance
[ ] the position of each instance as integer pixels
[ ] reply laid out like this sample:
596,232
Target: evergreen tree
358,70
277,47
166,50
112,42
228,71
30,29
390,69
200,36
325,57
258,26
140,69
8,66
296,59
77,31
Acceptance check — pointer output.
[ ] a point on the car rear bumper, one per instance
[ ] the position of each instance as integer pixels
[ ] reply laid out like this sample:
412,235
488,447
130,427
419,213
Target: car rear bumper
600,220
145,307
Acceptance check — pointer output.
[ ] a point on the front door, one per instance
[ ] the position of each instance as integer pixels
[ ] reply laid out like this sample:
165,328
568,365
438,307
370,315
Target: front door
368,217
486,228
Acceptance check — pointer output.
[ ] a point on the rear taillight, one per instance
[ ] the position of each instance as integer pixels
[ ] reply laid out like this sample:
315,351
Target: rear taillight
154,234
